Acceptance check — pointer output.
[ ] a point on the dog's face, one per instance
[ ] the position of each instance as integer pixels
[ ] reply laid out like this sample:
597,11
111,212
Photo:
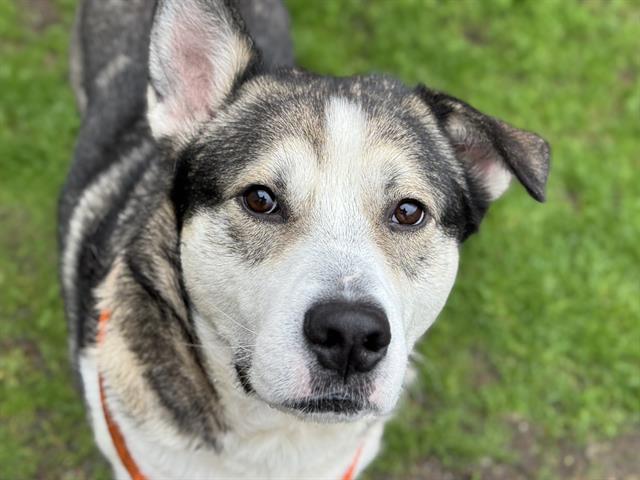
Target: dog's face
321,236
321,217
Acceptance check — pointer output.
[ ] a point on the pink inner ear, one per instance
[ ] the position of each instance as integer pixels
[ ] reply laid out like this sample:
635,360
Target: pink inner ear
193,70
479,155
486,165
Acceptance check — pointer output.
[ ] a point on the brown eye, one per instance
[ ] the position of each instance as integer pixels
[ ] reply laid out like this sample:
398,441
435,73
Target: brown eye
259,199
408,212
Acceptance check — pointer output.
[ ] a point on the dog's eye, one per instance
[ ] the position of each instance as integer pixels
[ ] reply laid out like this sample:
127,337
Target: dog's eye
408,212
259,199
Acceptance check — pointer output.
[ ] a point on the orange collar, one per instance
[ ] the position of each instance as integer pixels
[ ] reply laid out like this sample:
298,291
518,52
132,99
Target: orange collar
116,435
118,439
350,474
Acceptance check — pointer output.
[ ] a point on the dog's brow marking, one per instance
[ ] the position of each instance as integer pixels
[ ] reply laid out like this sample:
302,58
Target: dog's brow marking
292,158
343,165
345,126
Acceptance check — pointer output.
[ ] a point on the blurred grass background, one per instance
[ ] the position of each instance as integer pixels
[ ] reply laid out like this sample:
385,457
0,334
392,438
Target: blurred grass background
533,369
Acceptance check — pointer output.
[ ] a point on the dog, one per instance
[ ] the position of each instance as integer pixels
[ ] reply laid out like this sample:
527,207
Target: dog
249,251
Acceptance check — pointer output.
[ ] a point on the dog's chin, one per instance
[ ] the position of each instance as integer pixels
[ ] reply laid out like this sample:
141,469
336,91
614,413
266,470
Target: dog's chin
336,407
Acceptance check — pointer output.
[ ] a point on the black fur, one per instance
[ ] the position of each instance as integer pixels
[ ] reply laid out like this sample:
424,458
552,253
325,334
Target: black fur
526,155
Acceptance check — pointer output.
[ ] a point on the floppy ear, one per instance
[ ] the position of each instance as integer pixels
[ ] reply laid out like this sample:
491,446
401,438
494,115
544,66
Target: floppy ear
490,149
198,50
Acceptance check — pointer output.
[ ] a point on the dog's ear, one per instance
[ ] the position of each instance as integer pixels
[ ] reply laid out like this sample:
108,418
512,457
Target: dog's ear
199,49
491,150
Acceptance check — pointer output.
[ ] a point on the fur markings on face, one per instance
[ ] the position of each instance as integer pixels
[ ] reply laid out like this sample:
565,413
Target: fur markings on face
254,279
320,217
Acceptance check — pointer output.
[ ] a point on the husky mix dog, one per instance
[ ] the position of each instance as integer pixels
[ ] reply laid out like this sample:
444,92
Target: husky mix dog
249,252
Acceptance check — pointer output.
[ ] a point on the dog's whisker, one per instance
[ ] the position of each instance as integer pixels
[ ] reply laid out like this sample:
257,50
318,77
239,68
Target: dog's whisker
229,317
215,333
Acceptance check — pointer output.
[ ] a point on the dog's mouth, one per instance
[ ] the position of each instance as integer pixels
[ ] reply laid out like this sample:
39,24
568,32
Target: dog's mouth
338,404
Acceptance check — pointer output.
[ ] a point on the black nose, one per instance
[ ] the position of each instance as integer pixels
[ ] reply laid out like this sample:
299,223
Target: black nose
347,337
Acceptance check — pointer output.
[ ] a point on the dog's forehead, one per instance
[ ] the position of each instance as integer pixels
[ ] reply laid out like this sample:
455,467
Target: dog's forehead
371,131
297,104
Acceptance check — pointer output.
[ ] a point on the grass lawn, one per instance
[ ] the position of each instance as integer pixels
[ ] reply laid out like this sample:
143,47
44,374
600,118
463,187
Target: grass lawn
532,370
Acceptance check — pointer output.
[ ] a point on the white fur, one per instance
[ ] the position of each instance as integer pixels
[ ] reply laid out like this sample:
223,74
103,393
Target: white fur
91,389
261,443
497,180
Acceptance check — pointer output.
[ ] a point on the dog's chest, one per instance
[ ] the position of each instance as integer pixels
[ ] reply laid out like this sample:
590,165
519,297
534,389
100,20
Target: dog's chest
260,444
271,454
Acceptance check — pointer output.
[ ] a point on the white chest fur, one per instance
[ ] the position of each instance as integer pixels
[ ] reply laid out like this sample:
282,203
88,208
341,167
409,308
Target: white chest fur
261,442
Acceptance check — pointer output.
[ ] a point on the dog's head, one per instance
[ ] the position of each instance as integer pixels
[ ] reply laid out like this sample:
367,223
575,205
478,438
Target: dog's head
320,217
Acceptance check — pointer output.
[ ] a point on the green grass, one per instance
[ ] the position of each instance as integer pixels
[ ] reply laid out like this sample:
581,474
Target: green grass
542,327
